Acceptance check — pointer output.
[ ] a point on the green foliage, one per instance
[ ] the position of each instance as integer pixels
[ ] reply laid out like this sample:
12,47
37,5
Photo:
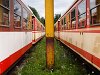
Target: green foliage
57,16
35,12
43,20
65,63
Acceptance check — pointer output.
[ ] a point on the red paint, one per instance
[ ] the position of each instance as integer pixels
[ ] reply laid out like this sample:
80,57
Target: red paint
96,61
84,53
34,23
85,31
58,29
5,64
77,19
35,40
88,13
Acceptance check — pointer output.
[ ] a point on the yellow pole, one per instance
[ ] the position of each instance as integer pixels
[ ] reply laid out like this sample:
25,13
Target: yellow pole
49,15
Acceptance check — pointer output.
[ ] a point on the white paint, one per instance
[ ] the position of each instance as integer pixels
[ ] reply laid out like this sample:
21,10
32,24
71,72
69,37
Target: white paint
37,34
11,42
88,41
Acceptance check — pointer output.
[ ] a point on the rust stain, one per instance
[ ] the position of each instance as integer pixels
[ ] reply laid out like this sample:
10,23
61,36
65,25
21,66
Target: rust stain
50,52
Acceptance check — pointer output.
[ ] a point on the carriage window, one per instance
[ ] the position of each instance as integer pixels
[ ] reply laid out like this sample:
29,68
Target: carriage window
95,12
68,21
82,14
17,14
64,22
29,25
25,18
32,25
33,18
30,21
73,19
4,12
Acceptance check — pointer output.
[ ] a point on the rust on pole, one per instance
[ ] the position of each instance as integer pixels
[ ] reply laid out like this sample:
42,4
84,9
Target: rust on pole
49,16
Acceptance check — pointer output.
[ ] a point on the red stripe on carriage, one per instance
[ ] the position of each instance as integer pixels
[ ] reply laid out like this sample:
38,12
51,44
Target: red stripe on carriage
85,54
5,64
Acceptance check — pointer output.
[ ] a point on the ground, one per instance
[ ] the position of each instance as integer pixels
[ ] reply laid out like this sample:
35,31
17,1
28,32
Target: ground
34,62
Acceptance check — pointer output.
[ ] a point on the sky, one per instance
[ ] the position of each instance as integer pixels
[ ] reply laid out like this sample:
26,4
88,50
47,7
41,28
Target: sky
60,6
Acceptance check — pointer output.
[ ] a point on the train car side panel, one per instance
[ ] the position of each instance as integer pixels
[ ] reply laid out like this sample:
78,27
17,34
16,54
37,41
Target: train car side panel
13,46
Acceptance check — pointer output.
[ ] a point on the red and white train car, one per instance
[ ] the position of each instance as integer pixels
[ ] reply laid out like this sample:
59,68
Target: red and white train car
38,30
15,32
79,29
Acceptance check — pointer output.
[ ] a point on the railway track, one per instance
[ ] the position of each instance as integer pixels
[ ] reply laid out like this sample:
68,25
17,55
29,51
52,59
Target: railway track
66,62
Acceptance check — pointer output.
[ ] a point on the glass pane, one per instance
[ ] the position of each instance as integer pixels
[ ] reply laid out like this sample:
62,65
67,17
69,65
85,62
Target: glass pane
82,20
95,15
17,8
73,14
1,16
92,3
25,14
29,22
5,3
4,16
95,11
82,7
25,18
64,20
73,19
82,13
17,21
25,23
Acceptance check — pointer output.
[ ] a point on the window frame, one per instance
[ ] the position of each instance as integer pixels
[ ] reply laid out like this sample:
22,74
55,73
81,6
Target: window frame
19,16
82,14
73,18
26,28
8,9
69,21
64,22
91,19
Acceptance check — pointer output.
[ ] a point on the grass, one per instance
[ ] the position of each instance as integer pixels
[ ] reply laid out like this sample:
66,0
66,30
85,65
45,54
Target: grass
35,62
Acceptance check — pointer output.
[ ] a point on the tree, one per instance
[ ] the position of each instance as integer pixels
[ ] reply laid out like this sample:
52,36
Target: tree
35,12
43,21
57,16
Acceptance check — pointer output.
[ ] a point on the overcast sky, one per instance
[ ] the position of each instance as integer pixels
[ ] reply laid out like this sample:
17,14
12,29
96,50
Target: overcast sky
60,6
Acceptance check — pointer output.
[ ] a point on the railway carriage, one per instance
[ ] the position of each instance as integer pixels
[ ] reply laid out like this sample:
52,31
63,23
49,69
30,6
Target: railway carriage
79,29
15,32
38,30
